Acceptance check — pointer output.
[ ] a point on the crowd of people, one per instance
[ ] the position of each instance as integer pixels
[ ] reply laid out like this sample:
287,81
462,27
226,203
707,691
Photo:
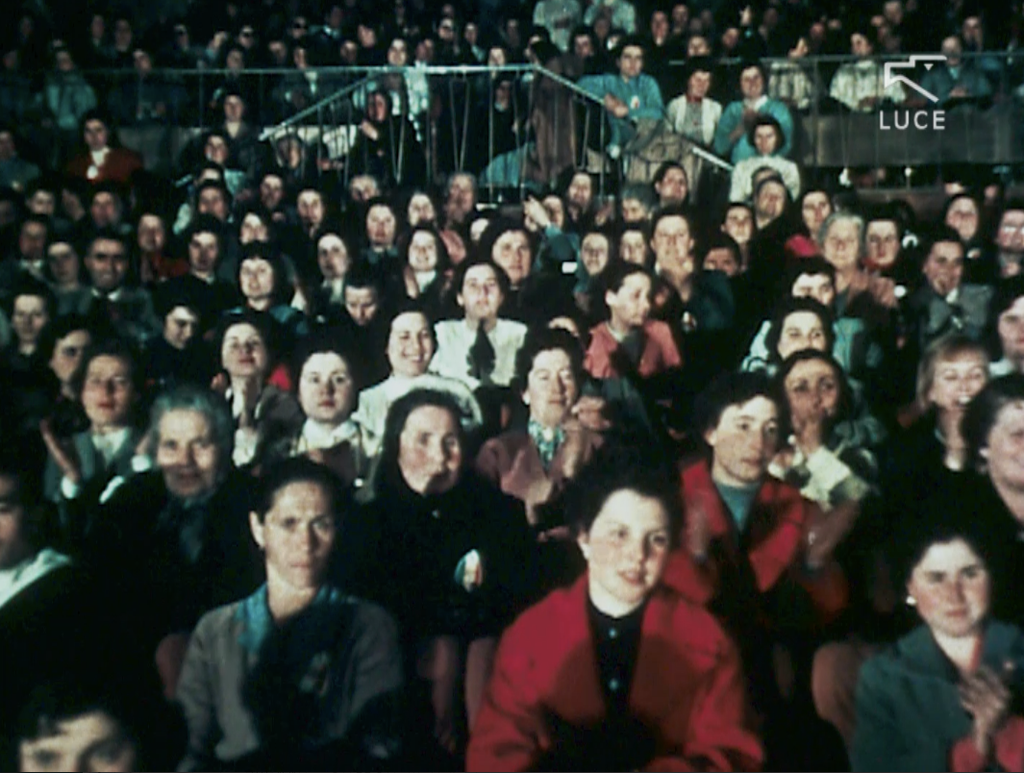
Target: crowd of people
309,463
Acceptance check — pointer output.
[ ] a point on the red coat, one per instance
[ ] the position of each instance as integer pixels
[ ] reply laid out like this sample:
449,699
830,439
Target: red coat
660,351
117,166
778,524
688,689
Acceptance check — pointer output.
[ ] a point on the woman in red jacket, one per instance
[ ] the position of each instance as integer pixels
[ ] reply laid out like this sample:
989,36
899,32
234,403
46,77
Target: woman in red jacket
617,672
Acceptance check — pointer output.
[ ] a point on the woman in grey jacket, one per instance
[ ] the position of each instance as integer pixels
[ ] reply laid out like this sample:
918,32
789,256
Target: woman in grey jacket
947,696
299,674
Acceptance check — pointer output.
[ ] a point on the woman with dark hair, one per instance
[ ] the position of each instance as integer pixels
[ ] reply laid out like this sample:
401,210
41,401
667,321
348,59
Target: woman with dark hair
947,696
449,555
766,137
535,462
818,457
963,214
263,280
1004,332
299,674
426,266
263,413
108,384
326,391
604,674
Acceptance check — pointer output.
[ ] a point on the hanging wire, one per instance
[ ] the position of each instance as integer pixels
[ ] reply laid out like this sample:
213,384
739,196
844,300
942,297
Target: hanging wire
451,118
465,121
520,151
586,130
490,132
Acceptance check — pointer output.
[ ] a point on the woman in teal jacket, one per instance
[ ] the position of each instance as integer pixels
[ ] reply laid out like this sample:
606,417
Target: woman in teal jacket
947,696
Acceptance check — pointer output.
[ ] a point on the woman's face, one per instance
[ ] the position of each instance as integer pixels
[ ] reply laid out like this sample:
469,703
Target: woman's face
256,278
297,536
626,550
253,229
512,252
1004,447
1011,330
332,257
551,388
594,251
107,392
326,389
244,353
410,345
423,252
951,588
429,450
766,139
815,209
957,380
63,263
90,741
152,236
801,330
421,210
812,390
962,216
633,248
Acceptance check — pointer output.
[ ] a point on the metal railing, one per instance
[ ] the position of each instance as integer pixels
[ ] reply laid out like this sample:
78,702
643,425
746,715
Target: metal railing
162,110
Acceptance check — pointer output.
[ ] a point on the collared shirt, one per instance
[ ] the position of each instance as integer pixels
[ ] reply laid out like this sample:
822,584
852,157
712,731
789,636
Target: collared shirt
547,439
454,339
317,436
109,443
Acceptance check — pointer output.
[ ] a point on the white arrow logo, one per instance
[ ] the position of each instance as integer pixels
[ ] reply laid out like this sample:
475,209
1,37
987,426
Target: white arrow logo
929,62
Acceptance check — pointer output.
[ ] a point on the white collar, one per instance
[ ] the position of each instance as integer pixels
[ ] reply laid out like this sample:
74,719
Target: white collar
318,436
109,443
17,578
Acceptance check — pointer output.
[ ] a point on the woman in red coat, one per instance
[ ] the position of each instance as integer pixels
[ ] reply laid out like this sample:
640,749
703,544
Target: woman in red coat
617,672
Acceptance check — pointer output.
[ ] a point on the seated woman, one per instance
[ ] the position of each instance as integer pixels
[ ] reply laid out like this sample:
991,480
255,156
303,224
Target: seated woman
617,672
263,413
263,280
107,385
449,555
947,695
411,346
299,673
333,260
427,268
766,137
597,251
804,323
819,458
630,343
326,394
534,463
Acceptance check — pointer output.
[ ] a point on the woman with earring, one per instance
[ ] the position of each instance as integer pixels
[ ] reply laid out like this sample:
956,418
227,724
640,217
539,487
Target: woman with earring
947,695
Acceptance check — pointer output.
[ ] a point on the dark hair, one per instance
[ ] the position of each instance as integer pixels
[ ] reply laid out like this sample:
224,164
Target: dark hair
28,285
543,339
495,228
776,178
1006,293
945,523
362,275
106,234
811,266
672,211
629,40
790,305
411,306
956,197
763,119
109,347
388,476
616,273
746,65
443,259
939,234
727,390
59,328
218,185
664,167
697,64
206,224
302,469
616,467
463,268
269,252
320,342
719,240
983,411
260,321
845,402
